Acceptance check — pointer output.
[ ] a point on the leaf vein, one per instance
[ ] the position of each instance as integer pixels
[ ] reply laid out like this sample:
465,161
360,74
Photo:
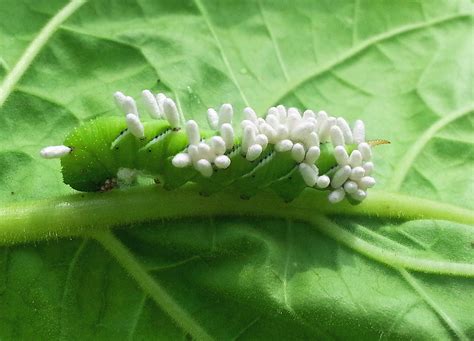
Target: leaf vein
35,47
432,304
409,157
355,21
247,327
287,263
356,50
210,26
167,303
387,257
67,285
274,42
137,316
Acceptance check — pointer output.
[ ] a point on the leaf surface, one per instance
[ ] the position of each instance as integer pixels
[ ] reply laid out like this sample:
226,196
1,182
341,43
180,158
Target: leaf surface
404,68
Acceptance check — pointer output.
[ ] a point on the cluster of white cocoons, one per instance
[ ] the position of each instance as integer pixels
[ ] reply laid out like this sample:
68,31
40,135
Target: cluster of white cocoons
203,154
302,134
352,176
288,130
158,106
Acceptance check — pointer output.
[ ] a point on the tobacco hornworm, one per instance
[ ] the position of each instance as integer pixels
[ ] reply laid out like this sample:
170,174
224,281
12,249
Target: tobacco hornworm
286,151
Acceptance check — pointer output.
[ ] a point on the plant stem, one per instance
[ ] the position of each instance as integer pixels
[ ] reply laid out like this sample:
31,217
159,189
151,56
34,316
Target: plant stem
76,214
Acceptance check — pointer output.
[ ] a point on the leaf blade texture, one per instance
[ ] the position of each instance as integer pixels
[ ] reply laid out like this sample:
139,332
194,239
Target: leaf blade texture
404,68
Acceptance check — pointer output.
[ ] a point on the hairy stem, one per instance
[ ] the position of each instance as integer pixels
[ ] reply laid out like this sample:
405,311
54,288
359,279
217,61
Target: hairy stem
75,215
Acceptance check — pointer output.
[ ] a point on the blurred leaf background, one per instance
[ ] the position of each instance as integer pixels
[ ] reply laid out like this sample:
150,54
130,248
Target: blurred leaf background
404,67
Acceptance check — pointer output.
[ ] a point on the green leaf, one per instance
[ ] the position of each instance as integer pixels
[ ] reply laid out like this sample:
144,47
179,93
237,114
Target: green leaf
405,68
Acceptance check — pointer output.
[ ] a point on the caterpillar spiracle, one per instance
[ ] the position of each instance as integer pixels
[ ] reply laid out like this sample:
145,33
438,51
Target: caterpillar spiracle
286,151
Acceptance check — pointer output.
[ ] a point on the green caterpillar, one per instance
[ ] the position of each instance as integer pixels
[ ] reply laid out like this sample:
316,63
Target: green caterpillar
287,151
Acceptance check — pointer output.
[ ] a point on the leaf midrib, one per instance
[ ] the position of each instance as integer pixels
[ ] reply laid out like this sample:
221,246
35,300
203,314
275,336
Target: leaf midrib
32,221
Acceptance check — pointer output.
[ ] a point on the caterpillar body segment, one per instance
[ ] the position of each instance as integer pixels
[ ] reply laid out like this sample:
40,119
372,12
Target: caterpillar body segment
327,160
171,176
291,184
286,151
272,167
227,178
155,156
